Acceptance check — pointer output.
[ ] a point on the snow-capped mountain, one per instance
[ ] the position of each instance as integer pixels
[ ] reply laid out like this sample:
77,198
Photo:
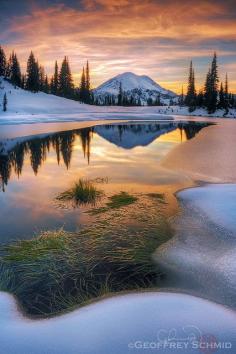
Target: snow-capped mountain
140,87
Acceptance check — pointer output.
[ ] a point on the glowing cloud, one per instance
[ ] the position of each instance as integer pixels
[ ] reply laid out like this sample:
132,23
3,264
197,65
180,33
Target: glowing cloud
146,36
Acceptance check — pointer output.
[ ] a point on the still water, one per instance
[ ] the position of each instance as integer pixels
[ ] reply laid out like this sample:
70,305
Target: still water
127,156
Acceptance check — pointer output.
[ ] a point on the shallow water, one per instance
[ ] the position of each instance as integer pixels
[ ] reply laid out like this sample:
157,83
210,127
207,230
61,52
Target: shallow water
196,260
34,170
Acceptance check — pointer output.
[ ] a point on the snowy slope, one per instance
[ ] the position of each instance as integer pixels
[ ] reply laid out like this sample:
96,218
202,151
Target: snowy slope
22,101
27,107
138,86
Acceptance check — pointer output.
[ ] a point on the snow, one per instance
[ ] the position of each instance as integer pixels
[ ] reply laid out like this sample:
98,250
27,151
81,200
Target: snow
202,253
218,202
139,86
27,107
131,81
119,325
210,156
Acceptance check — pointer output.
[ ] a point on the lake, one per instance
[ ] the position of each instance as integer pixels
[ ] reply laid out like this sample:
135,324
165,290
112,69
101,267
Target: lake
58,254
126,156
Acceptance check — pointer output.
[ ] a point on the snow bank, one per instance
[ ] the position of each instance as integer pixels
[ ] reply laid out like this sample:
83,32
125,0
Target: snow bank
210,156
122,324
27,107
202,253
218,202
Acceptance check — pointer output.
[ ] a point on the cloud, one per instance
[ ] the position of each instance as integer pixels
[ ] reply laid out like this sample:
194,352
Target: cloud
149,36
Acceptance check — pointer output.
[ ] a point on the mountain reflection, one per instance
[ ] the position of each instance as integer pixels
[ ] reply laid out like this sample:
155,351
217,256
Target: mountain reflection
126,136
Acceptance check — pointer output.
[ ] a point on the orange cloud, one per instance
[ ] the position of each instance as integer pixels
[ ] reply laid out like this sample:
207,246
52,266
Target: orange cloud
153,37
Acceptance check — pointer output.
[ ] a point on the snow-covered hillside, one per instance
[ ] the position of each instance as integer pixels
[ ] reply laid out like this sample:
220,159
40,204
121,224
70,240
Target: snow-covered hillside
22,101
27,107
138,86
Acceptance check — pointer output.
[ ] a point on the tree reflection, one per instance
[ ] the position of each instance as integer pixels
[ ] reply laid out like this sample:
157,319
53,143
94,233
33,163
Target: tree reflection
62,144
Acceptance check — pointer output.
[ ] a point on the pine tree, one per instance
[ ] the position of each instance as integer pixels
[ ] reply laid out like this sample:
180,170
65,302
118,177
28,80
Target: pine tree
23,82
200,99
211,86
82,88
15,75
55,80
87,84
181,97
221,103
3,62
87,77
190,99
120,95
52,85
33,81
4,102
226,93
8,67
66,87
207,88
46,85
41,78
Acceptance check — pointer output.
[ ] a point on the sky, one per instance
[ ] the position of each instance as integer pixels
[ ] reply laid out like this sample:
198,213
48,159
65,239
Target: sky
157,38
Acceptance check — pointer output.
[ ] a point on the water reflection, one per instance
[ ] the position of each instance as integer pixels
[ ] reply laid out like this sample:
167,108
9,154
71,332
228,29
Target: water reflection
127,136
35,170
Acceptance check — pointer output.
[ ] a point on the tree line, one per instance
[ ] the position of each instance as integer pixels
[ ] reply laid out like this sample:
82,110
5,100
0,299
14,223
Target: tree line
60,84
213,96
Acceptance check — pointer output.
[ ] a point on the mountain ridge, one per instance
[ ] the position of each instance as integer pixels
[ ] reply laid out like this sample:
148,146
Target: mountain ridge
140,87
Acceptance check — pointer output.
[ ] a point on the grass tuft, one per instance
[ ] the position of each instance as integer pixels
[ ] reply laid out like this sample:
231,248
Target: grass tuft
82,192
116,201
58,269
158,196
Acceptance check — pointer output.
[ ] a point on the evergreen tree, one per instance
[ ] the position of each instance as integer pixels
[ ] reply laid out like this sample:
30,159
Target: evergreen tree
52,85
200,99
15,75
149,102
8,67
46,85
211,86
120,95
82,88
66,87
3,62
158,100
87,84
55,80
226,93
41,78
4,103
207,88
23,82
190,99
221,103
33,80
181,97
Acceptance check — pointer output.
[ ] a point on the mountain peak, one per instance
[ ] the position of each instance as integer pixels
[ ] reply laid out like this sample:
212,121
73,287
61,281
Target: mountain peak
139,86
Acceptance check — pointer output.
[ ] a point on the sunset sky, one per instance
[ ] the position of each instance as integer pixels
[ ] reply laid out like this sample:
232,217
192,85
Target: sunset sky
151,37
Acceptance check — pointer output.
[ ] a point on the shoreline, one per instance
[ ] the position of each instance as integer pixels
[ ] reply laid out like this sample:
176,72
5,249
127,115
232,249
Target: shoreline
192,184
